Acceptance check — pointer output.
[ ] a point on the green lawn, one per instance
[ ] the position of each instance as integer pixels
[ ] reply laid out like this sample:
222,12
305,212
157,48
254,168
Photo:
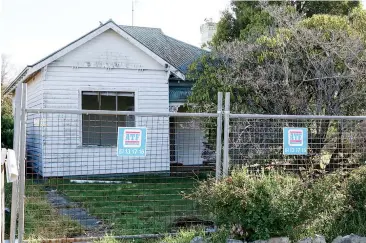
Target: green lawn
41,220
141,205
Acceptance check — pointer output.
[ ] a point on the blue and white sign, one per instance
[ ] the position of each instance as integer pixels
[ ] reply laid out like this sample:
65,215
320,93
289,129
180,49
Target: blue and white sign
295,141
131,141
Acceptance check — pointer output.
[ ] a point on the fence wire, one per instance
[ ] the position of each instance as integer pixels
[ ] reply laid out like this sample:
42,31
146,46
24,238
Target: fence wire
333,144
77,186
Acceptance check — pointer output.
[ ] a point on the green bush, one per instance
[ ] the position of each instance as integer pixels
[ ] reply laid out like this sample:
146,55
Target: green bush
186,235
273,204
7,123
353,217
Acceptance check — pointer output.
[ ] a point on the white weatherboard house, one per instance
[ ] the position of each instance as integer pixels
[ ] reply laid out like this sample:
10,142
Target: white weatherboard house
118,68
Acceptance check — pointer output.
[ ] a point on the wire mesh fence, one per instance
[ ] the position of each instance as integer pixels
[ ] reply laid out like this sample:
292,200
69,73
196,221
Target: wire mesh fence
76,185
332,143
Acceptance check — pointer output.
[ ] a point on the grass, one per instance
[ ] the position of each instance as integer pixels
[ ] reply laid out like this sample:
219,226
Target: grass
144,205
182,236
41,220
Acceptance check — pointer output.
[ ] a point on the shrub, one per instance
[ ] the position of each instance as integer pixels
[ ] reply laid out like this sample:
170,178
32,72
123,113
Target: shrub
273,204
264,205
186,235
7,123
324,202
352,220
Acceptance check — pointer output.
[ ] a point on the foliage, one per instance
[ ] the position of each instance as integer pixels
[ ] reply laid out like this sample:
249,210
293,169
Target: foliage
247,20
312,66
7,122
244,20
186,235
271,204
309,8
7,70
353,218
183,236
263,206
357,19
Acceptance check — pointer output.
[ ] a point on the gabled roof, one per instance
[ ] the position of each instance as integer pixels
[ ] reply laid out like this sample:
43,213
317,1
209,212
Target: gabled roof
177,53
164,49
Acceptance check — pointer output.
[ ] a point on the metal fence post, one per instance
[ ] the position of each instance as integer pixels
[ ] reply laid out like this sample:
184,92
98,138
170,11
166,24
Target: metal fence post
226,135
22,161
14,191
2,194
219,136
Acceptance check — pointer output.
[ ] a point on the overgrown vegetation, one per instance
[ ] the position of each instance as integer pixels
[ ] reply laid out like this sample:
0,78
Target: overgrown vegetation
7,122
183,236
271,204
305,66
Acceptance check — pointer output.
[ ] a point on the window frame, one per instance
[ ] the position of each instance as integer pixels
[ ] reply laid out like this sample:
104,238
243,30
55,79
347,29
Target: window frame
80,107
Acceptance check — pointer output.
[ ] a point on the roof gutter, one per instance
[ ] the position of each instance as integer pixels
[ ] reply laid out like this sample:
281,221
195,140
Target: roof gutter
19,78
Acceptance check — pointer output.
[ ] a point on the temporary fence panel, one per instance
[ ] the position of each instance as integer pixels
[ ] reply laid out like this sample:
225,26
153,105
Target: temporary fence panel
90,172
83,179
301,144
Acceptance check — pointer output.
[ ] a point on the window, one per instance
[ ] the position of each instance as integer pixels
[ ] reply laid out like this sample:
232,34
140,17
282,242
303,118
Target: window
101,130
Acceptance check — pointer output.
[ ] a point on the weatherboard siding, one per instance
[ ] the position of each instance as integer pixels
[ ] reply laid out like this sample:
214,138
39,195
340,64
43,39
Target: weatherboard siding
89,68
34,132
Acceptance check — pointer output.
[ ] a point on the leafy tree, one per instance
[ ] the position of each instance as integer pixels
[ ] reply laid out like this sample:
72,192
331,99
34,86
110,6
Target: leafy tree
326,7
308,66
244,20
7,123
247,19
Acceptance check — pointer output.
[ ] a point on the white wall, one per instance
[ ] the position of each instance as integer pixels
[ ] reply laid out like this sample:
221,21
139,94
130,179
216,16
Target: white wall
34,132
68,76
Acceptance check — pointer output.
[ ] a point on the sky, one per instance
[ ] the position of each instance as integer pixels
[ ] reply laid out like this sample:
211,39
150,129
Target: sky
32,29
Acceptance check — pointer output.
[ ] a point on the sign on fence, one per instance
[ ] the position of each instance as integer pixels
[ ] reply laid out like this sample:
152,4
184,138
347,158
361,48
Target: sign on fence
131,141
295,141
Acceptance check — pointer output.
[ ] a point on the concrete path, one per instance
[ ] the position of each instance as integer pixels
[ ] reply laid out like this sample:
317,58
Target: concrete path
72,210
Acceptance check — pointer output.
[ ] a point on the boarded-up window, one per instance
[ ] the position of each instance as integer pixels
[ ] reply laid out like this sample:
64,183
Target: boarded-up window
101,130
